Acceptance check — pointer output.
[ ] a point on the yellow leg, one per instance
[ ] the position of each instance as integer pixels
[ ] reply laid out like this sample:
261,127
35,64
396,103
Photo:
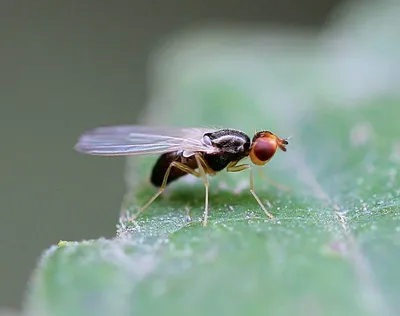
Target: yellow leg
164,184
233,167
188,218
200,163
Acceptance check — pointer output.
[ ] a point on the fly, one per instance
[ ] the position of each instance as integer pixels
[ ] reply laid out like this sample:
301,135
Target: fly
196,151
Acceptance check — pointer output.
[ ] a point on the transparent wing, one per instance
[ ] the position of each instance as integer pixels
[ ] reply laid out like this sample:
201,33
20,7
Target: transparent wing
141,140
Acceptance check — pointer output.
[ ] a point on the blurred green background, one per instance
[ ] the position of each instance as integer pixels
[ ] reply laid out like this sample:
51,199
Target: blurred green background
69,66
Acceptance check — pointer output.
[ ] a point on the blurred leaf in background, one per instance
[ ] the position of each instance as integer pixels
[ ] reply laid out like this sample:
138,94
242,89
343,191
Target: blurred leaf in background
334,245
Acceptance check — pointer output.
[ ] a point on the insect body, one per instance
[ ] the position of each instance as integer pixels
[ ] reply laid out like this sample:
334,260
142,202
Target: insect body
196,151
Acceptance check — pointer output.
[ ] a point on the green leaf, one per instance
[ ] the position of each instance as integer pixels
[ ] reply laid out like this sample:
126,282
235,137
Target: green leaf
332,249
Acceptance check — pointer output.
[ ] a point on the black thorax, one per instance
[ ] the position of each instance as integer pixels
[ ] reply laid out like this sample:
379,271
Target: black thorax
233,145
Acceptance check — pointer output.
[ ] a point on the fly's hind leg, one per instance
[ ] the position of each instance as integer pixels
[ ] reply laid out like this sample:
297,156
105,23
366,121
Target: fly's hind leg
234,167
175,164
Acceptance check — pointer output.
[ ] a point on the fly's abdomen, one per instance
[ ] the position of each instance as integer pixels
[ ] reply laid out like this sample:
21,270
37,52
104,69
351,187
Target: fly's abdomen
162,165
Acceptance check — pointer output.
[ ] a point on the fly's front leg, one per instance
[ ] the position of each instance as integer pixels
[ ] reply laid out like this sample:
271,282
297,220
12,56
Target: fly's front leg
234,167
256,196
175,164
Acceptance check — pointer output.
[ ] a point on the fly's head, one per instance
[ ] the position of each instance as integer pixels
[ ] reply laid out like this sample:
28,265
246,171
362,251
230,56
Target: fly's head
264,146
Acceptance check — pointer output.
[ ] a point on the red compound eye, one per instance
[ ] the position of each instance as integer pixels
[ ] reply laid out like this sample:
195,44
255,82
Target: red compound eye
262,150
